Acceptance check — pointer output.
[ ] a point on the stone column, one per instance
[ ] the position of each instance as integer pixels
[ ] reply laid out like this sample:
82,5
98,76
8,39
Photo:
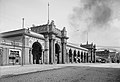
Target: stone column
83,58
43,57
46,51
91,56
60,55
64,41
52,48
63,51
72,57
94,56
30,56
54,57
51,51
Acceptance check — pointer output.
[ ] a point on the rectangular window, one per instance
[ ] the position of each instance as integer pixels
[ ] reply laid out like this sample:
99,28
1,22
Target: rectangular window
14,56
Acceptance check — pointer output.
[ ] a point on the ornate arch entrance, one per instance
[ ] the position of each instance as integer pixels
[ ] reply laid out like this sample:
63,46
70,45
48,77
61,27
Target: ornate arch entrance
37,52
57,51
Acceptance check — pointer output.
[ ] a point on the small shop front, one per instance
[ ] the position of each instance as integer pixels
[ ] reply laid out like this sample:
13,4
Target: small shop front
10,54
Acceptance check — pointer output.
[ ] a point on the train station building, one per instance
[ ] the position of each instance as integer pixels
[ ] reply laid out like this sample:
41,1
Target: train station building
44,44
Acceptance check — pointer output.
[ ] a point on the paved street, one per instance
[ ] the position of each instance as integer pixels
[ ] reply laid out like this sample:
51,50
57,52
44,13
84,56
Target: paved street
71,73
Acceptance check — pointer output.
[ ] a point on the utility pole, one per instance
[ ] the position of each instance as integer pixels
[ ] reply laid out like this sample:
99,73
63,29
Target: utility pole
23,42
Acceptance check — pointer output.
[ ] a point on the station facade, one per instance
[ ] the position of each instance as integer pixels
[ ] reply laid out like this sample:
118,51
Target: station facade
44,44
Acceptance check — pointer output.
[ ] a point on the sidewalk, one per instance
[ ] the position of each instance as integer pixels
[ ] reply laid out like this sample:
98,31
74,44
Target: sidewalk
18,69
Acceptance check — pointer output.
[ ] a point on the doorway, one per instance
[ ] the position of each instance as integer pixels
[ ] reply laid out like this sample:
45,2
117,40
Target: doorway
57,52
70,56
37,52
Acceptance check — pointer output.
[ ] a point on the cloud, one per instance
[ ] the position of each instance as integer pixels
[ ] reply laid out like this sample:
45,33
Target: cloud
95,14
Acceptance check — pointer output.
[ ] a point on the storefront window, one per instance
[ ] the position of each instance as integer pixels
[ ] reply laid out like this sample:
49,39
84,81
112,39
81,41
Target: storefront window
14,56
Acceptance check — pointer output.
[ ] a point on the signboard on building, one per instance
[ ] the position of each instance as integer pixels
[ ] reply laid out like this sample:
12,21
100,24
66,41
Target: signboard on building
13,43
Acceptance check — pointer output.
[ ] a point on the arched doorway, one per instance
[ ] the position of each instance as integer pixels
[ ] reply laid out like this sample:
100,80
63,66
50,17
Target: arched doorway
74,56
87,57
57,52
79,56
82,57
37,52
70,55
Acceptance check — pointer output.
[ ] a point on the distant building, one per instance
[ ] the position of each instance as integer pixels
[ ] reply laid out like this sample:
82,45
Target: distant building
102,54
108,55
91,51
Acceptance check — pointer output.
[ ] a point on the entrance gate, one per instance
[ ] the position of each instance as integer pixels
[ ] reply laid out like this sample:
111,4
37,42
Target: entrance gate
37,52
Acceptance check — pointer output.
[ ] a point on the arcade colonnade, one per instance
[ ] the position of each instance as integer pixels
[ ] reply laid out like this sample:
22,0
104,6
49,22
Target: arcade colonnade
73,54
76,54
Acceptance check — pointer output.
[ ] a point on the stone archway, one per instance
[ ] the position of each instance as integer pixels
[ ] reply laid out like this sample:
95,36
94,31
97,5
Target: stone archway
57,52
37,52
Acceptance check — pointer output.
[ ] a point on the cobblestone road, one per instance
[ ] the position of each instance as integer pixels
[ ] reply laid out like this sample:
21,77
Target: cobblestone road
69,74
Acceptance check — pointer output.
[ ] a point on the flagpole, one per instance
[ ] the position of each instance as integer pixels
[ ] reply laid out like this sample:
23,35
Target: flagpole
87,36
23,23
48,12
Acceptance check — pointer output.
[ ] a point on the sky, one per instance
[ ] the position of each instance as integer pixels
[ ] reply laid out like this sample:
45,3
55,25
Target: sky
97,21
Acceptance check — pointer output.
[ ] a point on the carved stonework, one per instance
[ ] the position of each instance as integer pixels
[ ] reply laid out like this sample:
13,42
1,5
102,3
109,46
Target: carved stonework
50,29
